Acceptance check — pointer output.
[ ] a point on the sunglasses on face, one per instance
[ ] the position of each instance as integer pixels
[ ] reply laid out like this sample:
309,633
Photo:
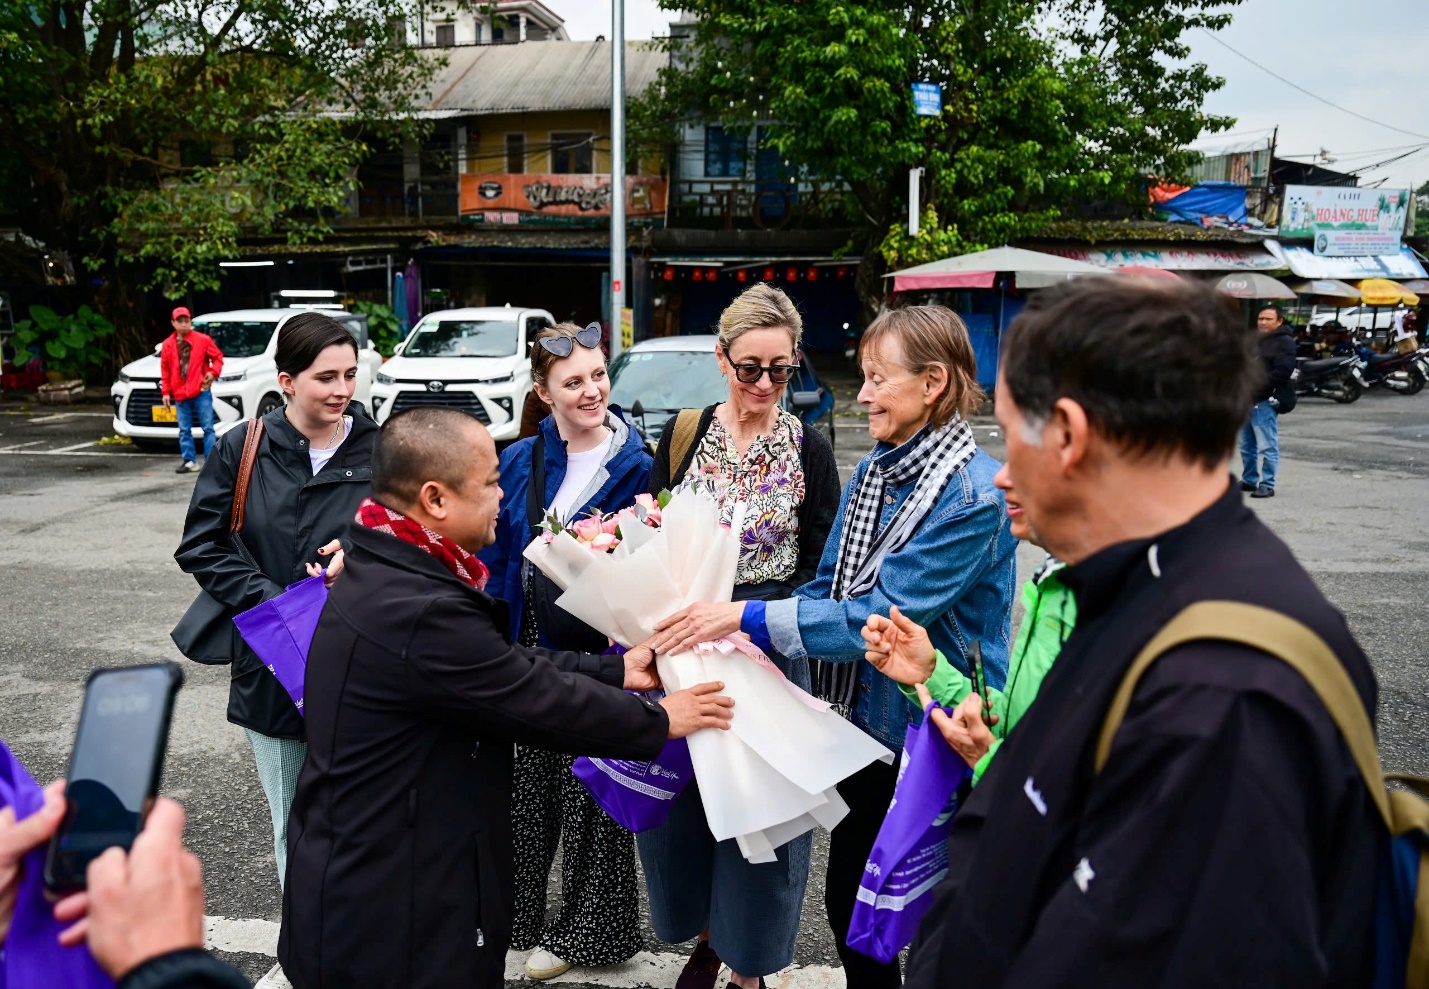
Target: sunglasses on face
779,374
563,345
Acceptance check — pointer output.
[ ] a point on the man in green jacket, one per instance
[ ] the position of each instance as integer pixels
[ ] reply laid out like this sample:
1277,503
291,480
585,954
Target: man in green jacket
899,648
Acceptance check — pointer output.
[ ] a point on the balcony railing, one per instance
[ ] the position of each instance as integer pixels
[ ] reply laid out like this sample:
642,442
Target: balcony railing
765,204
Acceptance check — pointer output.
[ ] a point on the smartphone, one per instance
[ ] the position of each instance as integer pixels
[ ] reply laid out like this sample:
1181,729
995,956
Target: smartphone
114,768
980,680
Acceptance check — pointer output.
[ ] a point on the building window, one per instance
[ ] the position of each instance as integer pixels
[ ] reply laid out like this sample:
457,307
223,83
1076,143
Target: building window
515,154
498,33
724,153
446,35
572,153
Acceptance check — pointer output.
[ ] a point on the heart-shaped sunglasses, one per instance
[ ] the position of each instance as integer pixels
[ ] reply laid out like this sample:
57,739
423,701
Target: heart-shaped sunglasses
563,345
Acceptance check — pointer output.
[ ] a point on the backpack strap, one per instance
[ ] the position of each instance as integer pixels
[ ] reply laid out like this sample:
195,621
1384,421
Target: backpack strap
687,423
536,486
1280,636
1304,651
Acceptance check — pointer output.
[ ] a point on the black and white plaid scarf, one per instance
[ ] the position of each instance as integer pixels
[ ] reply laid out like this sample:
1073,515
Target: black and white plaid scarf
932,457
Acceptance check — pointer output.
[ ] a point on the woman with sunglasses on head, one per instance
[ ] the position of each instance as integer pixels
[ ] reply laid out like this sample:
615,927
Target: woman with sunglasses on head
584,459
745,915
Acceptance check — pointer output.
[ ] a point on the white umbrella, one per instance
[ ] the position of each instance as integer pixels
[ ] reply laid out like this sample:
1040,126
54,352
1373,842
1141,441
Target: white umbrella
1032,269
1253,285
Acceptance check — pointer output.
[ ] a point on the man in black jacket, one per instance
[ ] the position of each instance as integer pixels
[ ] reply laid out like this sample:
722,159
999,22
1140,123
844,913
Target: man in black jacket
1229,839
400,867
1260,436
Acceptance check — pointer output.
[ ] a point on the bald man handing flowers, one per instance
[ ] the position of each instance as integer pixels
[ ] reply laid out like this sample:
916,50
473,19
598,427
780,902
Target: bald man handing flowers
400,862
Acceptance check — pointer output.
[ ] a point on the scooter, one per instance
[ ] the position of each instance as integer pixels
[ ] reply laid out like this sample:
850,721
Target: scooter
1335,378
1402,373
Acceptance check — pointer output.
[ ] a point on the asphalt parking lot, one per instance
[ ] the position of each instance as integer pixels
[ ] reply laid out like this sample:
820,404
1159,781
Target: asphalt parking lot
87,579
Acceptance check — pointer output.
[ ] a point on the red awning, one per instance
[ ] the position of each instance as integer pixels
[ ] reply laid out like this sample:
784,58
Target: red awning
950,279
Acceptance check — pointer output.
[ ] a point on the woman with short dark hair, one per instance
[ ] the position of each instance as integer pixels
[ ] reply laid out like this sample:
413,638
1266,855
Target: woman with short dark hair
312,470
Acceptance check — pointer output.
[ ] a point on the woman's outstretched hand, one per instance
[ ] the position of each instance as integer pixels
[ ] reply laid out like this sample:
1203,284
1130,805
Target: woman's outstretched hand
334,566
698,623
899,647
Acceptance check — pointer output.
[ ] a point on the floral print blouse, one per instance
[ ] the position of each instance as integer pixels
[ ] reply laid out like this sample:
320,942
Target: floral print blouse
769,479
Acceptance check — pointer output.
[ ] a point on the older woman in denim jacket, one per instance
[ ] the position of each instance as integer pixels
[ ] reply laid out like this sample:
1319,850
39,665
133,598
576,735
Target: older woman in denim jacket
920,526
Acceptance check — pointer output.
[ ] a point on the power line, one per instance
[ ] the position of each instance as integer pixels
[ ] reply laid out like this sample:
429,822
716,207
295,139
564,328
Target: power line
1297,86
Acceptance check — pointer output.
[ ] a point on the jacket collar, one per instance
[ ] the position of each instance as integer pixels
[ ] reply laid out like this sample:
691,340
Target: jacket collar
1098,581
403,555
283,435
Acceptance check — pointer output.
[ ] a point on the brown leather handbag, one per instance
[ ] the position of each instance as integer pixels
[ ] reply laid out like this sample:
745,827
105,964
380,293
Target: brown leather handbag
205,634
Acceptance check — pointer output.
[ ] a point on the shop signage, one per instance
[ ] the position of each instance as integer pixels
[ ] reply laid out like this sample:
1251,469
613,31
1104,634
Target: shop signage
556,199
1344,222
1172,259
927,99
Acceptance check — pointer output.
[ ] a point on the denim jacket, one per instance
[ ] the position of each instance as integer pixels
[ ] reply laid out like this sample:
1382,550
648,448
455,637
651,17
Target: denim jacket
955,577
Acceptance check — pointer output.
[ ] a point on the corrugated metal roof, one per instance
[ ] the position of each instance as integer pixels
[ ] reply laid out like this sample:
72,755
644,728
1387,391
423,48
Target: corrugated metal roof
537,76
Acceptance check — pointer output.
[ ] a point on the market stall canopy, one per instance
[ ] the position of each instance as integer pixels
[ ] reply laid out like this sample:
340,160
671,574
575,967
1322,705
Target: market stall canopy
1331,287
1305,263
1419,286
1383,292
1179,257
1033,269
1253,285
1143,271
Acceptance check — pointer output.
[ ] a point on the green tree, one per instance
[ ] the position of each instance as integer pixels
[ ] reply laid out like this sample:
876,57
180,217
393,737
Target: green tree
144,137
1047,104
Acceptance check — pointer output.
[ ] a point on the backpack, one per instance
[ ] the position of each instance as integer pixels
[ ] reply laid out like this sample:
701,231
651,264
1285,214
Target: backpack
1402,898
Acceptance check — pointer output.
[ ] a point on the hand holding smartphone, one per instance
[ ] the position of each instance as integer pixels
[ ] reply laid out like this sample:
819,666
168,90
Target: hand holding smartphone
114,768
980,682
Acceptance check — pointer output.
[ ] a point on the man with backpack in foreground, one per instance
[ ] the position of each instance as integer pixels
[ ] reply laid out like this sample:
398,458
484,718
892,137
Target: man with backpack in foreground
1205,824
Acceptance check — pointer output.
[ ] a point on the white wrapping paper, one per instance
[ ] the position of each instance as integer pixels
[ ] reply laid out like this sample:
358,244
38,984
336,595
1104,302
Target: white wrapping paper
771,777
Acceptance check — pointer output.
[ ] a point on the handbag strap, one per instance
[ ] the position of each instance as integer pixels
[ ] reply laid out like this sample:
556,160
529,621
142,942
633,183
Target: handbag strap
245,475
682,436
536,486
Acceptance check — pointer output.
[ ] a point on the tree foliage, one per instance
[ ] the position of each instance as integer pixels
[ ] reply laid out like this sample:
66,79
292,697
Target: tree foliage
143,137
1047,105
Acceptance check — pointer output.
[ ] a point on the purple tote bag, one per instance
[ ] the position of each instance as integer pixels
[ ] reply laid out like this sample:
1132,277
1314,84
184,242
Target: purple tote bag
32,956
910,855
280,631
638,795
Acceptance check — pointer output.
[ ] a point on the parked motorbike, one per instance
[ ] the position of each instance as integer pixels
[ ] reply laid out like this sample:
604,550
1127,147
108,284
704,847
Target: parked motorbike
1402,373
1335,378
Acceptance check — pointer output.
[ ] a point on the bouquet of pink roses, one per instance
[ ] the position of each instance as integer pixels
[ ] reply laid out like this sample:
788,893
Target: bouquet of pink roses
602,533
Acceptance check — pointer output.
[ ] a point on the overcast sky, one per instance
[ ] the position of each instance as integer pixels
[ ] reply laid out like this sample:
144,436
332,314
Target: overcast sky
1368,56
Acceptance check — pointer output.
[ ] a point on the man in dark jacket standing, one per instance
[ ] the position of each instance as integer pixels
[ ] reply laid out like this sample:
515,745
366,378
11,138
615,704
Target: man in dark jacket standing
400,865
1260,436
1229,838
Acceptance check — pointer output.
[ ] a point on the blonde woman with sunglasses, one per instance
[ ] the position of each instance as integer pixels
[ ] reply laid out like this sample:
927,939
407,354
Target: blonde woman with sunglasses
584,458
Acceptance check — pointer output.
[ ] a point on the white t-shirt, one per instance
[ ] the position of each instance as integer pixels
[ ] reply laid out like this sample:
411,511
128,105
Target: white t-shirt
321,457
581,469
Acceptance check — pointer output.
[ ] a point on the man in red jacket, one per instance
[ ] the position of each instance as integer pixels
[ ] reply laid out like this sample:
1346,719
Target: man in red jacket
189,362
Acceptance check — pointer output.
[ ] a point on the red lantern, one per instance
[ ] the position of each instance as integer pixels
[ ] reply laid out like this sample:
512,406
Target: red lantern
712,274
669,273
769,273
843,271
791,274
741,275
812,274
699,274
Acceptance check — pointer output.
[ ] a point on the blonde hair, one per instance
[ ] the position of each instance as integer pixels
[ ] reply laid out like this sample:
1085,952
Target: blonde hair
929,336
759,307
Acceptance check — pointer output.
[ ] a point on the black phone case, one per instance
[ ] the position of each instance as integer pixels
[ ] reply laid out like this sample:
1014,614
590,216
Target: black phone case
61,884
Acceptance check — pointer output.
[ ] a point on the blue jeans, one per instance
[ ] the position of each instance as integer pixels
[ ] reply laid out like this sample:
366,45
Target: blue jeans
1260,446
201,405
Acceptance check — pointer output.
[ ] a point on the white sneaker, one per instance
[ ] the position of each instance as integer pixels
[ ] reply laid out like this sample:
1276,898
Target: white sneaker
275,979
541,965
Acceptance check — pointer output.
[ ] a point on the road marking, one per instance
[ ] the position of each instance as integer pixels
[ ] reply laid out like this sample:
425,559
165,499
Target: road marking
57,416
21,446
74,451
260,937
69,449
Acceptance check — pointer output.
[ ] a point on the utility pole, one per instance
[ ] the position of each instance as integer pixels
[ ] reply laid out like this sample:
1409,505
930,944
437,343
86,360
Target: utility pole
914,174
617,174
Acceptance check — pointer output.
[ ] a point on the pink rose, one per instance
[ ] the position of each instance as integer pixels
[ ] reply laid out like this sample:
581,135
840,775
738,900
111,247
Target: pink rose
652,518
586,529
548,536
647,501
609,525
604,543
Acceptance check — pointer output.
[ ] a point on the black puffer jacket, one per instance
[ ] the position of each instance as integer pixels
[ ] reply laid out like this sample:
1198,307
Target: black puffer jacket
1277,353
290,513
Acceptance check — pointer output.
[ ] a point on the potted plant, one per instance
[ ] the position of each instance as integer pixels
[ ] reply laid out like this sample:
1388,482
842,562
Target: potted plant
68,346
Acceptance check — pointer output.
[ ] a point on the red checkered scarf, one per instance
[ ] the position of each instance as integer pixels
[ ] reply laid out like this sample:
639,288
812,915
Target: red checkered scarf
466,567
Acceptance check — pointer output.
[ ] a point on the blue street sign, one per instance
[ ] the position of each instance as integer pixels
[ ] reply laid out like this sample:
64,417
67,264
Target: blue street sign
927,99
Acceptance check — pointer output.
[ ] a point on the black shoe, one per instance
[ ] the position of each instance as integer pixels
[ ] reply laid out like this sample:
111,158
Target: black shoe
1248,487
1263,491
702,969
187,467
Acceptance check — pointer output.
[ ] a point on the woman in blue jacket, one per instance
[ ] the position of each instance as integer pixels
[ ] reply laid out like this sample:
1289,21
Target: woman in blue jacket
920,526
584,459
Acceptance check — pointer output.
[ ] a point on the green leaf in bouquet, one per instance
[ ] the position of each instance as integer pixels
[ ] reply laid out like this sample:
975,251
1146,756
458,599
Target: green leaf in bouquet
664,498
